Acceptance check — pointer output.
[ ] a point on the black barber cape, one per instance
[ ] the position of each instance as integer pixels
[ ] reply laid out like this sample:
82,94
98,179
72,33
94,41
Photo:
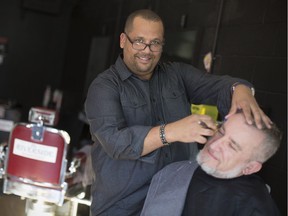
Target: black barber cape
184,189
242,196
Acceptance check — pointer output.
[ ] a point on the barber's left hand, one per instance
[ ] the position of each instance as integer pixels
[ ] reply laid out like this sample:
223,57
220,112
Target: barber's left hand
243,99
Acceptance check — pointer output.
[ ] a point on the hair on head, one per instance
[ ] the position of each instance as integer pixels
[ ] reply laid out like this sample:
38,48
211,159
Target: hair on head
143,13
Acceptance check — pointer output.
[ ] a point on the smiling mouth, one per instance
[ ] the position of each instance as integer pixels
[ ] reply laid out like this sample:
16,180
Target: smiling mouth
144,58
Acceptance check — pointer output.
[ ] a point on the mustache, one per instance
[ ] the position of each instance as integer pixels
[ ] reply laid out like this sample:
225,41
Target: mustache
143,55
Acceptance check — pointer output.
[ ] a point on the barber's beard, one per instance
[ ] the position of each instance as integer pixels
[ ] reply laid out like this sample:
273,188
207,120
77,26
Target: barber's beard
216,173
144,68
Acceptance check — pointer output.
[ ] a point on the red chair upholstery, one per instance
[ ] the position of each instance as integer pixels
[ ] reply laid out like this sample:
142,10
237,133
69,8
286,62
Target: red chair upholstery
36,163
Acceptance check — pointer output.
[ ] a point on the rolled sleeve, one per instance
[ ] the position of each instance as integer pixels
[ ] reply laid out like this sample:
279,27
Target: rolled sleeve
204,88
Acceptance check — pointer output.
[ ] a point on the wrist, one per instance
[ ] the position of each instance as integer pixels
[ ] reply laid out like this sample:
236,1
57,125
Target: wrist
237,84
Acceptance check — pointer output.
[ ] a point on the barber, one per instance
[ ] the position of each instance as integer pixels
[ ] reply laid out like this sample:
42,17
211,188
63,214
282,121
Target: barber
139,112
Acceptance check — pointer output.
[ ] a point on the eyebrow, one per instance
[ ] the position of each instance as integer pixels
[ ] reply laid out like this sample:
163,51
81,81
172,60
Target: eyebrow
142,38
233,141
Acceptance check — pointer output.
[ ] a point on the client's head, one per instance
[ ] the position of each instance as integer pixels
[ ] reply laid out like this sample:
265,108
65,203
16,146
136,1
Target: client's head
238,148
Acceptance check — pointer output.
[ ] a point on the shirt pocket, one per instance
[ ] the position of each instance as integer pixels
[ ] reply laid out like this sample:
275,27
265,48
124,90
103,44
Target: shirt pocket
176,103
134,109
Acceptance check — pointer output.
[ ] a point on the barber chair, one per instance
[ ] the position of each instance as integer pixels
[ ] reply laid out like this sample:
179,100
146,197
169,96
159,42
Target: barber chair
2,159
35,164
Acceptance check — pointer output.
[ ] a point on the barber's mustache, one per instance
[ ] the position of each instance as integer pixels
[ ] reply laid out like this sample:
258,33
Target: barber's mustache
144,55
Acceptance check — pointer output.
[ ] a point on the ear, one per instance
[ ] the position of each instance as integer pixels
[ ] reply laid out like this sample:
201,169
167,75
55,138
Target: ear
252,167
122,40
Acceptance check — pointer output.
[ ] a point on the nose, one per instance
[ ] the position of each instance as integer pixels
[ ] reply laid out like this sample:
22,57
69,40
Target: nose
147,48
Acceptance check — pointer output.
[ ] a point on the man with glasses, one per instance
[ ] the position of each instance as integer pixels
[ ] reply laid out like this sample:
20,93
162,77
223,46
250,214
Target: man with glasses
139,111
154,46
223,181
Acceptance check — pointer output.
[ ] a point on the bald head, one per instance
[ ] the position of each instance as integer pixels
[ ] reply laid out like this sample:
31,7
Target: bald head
143,13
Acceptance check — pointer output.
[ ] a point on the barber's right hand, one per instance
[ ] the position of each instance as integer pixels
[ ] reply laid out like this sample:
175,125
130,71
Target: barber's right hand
193,128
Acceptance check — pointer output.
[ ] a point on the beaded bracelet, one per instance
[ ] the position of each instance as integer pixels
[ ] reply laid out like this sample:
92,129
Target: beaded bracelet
163,135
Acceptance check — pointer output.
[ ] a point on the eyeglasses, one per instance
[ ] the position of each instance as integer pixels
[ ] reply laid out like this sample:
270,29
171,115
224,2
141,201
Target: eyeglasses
154,46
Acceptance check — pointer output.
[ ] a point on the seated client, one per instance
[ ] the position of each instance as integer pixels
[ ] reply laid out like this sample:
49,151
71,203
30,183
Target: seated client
222,182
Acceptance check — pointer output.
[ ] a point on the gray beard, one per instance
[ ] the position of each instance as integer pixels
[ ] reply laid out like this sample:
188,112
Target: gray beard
216,173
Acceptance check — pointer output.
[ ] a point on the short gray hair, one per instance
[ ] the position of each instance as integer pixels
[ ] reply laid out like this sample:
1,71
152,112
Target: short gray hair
269,145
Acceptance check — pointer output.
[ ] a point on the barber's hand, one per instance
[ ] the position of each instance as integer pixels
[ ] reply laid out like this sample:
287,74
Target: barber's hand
194,128
243,99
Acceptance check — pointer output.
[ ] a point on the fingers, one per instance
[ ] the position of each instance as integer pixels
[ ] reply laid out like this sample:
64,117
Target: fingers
207,129
232,111
207,122
267,121
193,128
247,110
244,100
253,113
201,140
260,118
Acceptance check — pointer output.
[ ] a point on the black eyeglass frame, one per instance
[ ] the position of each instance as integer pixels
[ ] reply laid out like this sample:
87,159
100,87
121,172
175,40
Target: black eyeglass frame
161,44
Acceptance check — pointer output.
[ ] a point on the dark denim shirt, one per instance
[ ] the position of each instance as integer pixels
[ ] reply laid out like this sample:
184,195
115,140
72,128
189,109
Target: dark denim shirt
121,109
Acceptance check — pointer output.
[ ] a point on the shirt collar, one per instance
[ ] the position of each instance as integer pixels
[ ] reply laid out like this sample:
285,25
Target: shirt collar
123,70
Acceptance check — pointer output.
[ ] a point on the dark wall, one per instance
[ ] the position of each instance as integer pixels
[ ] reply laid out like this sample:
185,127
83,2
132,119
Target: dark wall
35,51
247,37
